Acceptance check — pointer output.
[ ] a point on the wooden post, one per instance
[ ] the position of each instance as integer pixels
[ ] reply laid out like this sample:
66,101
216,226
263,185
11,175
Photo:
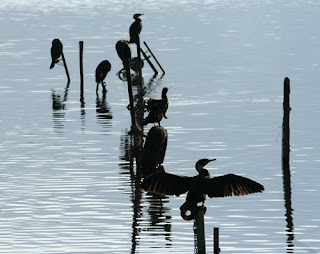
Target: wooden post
154,57
216,249
81,69
199,225
139,63
65,66
286,122
131,104
286,165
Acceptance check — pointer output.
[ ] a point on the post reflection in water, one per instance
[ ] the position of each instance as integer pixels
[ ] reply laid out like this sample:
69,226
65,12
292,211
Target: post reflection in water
288,206
104,114
152,84
58,107
83,114
126,168
159,218
159,221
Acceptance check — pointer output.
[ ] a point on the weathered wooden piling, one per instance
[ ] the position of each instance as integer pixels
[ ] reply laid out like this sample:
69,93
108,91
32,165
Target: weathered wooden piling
286,164
131,103
216,249
200,230
81,70
286,122
65,66
140,83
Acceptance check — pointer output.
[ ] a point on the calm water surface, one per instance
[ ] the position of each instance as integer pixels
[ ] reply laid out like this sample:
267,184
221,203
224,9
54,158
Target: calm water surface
65,179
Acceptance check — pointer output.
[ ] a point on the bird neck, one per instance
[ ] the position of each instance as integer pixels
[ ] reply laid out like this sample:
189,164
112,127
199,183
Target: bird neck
203,172
164,96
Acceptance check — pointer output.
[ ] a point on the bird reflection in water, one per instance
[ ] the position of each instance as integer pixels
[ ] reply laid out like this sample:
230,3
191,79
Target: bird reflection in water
127,169
104,114
59,106
159,220
159,217
199,186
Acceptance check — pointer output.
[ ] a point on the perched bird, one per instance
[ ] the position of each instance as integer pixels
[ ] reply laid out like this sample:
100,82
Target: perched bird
124,52
157,108
199,186
101,72
56,52
135,28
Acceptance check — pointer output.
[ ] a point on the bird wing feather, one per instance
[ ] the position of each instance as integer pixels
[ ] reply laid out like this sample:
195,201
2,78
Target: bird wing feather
231,185
166,184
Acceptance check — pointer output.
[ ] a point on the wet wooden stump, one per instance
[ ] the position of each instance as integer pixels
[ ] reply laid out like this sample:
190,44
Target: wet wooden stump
199,230
216,249
81,70
154,150
286,122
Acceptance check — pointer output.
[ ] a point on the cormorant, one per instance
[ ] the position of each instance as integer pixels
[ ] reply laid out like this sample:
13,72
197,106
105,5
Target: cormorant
157,108
135,28
101,72
56,52
199,186
124,52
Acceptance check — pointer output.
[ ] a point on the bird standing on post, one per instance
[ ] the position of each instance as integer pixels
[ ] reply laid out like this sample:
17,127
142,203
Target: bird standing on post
56,52
157,108
199,186
135,28
101,72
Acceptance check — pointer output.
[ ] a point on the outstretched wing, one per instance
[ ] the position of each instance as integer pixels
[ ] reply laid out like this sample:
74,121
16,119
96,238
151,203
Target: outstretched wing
231,185
166,184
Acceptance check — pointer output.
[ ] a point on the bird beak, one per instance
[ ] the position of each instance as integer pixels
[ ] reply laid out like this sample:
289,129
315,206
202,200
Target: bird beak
209,160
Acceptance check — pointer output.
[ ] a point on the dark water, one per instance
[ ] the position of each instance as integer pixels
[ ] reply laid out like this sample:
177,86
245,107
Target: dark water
66,184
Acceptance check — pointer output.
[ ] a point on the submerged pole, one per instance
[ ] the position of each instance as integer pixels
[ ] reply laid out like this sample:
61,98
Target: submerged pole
81,69
65,66
154,57
149,62
199,228
216,249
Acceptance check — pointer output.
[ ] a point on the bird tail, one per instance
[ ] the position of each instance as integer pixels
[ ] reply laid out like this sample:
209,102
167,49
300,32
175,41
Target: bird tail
133,40
52,64
188,207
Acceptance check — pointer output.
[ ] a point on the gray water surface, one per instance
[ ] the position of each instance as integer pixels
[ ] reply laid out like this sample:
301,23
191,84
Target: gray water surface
65,179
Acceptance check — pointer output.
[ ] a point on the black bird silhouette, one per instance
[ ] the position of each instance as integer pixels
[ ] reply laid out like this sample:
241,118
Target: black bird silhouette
56,52
157,108
199,186
101,72
124,52
135,28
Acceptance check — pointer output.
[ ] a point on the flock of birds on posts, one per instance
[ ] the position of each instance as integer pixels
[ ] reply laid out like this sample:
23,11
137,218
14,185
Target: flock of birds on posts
163,183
